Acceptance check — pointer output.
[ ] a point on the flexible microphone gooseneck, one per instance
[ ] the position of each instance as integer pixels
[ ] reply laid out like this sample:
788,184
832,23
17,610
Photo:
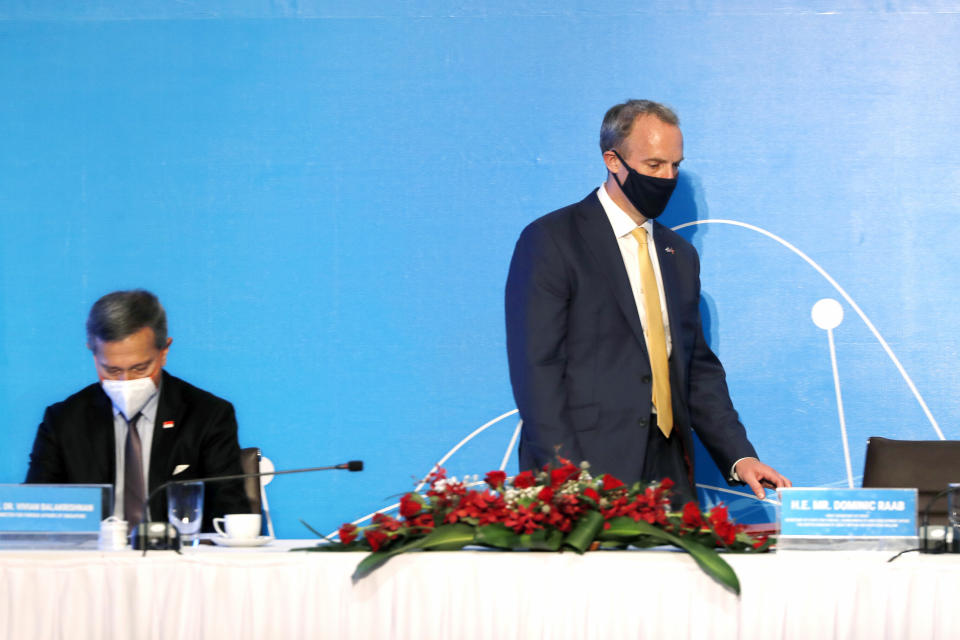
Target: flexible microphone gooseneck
141,533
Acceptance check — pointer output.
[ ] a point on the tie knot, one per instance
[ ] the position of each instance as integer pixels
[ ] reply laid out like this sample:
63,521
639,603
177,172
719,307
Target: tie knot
641,236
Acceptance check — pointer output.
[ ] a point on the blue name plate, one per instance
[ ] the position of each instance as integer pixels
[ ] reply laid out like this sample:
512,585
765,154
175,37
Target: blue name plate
32,508
848,513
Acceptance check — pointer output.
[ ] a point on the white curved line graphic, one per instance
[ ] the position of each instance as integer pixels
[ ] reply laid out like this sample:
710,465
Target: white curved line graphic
772,501
843,420
513,442
475,433
846,296
470,437
395,505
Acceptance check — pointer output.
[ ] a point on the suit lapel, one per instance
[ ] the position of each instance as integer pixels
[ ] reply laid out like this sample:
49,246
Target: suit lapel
169,409
103,445
668,274
598,235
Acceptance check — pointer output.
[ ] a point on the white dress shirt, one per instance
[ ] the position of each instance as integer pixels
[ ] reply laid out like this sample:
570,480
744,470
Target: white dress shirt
623,226
148,416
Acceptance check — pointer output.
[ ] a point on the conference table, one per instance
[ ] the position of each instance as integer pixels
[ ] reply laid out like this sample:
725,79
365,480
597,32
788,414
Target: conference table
276,592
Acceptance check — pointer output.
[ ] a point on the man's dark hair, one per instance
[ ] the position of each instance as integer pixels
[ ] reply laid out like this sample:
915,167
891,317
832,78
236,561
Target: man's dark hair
619,120
122,313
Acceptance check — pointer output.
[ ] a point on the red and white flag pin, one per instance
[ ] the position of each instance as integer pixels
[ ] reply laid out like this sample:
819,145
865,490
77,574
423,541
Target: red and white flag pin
168,424
669,250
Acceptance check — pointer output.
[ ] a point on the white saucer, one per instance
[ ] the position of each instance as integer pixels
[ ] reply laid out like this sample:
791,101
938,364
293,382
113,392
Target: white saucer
259,541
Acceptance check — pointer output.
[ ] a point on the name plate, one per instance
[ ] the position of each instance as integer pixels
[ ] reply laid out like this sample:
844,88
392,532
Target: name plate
48,508
835,518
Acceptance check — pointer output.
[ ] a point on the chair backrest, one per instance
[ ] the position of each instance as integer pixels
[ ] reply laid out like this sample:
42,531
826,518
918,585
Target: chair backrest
250,463
928,465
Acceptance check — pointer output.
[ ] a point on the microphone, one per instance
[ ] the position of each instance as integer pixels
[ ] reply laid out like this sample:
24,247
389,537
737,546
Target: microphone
163,535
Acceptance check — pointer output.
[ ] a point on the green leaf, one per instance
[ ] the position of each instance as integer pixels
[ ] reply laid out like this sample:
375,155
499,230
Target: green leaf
379,558
497,535
624,529
708,559
541,540
583,533
312,530
621,529
449,537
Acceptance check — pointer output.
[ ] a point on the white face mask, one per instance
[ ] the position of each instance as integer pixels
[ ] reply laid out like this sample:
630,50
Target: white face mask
129,396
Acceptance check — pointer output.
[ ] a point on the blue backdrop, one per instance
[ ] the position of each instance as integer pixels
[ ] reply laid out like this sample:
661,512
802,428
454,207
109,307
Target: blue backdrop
325,196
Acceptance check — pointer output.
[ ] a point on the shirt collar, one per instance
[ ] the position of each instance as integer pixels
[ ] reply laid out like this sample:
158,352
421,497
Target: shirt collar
621,222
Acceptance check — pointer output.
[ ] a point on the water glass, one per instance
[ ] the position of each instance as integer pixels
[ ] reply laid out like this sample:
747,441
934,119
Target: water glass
185,511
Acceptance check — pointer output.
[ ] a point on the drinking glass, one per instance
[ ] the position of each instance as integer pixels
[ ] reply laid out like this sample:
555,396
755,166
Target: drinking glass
185,511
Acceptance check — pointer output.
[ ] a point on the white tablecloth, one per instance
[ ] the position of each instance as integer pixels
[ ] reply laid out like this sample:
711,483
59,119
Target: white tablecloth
242,594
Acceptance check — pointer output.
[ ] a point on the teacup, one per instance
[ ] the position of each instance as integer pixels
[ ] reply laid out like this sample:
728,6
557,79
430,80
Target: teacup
238,526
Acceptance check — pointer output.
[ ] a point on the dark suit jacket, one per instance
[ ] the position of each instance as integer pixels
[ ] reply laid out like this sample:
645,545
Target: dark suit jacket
578,361
75,445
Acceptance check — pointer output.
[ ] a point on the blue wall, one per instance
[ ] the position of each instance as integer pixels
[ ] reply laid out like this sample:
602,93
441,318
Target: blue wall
326,199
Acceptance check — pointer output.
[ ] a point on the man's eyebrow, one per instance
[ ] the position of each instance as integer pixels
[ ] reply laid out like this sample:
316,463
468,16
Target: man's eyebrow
111,367
663,160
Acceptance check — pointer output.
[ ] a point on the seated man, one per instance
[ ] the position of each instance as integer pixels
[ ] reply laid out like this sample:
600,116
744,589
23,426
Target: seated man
140,426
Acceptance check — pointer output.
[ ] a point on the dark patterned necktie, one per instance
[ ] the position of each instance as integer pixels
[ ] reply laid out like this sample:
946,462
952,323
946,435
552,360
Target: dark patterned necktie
134,493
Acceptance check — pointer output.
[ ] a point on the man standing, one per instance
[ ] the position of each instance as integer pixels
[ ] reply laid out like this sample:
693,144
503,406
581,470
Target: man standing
139,426
607,355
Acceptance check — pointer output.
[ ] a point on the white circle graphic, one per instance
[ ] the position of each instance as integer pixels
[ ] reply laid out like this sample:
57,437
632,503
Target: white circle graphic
827,314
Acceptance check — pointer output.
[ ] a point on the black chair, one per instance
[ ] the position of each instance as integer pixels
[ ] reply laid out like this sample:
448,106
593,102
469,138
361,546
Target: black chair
928,465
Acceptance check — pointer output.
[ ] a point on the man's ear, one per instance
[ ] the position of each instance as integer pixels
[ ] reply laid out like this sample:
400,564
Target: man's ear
612,161
164,352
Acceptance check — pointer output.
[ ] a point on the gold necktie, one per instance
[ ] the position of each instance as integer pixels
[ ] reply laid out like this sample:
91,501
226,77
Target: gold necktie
656,339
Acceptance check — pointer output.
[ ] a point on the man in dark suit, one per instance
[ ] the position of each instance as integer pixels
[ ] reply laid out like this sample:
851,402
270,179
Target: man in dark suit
608,359
139,426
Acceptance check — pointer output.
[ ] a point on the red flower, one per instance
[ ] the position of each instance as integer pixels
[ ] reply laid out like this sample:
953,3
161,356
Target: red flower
348,533
375,537
423,521
562,474
524,519
524,479
610,483
545,495
496,479
692,517
725,530
666,483
387,523
409,506
593,495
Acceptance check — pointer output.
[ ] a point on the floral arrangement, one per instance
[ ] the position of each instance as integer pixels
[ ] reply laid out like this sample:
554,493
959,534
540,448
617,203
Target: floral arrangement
560,507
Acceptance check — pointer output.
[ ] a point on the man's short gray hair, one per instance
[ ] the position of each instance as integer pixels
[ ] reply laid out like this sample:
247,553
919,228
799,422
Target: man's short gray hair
619,120
120,314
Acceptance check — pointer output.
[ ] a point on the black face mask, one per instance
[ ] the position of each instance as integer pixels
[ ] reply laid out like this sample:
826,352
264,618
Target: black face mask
648,194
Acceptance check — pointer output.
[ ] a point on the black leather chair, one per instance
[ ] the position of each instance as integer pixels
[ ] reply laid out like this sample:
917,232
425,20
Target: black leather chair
250,463
928,465
250,458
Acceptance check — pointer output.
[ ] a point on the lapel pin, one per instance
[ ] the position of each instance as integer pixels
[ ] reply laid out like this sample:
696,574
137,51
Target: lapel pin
168,424
669,250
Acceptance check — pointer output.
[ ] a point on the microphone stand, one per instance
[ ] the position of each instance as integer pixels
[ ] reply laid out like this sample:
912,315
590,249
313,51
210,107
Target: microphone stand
141,533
